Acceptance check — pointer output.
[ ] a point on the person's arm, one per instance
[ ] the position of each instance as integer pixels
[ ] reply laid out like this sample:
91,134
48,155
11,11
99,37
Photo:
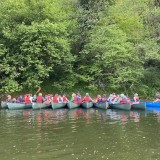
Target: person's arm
117,101
72,99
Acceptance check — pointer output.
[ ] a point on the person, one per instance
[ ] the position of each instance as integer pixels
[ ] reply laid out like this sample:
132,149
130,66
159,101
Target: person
40,98
99,99
65,100
104,99
9,99
121,99
74,98
87,98
157,97
56,98
112,97
20,99
27,99
60,99
34,98
78,97
136,98
47,99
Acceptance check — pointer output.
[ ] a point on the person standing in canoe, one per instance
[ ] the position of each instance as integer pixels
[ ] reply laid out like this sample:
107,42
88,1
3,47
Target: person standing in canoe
87,98
40,98
136,98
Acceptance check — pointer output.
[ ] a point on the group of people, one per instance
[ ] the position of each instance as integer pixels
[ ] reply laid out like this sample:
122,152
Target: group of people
28,98
76,98
114,99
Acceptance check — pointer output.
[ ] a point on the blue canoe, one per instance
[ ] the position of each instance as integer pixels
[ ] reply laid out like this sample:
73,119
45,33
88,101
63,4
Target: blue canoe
152,104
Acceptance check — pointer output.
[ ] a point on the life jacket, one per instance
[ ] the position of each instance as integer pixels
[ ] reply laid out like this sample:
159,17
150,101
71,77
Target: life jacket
86,99
104,99
64,99
27,100
55,99
78,98
137,99
123,101
75,99
39,99
99,99
60,99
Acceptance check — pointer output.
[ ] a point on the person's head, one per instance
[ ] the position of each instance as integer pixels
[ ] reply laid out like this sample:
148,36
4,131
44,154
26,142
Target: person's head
20,96
99,96
87,94
9,96
122,95
56,94
135,94
40,94
73,94
64,94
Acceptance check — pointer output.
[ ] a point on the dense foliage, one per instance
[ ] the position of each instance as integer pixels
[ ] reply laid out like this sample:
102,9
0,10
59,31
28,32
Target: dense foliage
111,45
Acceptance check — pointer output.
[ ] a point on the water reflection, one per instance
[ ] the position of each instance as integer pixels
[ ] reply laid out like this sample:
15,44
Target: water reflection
79,134
87,116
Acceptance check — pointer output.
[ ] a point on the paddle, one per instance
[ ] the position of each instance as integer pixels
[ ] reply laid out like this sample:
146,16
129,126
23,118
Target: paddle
38,90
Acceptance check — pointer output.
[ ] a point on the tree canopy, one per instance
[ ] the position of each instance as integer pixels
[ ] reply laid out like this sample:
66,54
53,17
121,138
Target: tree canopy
111,45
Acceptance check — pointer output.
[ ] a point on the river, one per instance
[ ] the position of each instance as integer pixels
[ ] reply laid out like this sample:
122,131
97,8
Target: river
79,134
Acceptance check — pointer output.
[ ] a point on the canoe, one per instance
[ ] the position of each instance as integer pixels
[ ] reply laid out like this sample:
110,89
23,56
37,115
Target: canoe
87,105
58,105
72,105
40,105
152,104
121,106
4,104
141,106
19,106
102,105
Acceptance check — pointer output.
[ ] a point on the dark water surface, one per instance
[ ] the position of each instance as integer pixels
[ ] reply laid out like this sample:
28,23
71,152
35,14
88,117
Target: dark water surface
79,134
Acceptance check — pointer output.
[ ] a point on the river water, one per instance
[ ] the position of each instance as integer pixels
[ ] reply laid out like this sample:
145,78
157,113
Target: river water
79,134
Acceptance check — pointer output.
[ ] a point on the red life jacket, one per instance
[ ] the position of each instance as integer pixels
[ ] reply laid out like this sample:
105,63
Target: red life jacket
104,99
75,99
86,99
64,99
55,99
39,99
27,100
123,101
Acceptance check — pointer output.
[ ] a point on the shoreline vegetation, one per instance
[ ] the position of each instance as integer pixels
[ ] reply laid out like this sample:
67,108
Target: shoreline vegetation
95,46
68,93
